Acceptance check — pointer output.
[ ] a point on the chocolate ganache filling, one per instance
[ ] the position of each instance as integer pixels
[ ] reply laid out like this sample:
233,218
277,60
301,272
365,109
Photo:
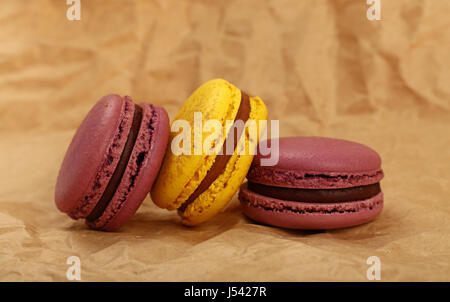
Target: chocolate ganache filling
317,195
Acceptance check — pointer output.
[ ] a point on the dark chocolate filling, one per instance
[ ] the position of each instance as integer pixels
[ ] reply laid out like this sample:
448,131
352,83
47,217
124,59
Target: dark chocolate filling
116,178
317,195
222,159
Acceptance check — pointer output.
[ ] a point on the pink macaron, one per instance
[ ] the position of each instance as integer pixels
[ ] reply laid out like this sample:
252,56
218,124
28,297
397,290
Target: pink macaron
318,183
112,162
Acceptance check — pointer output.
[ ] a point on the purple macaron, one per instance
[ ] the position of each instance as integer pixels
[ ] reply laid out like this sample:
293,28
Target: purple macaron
112,162
318,183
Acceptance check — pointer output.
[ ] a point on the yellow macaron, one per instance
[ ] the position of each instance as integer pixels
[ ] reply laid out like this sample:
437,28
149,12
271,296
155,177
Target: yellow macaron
204,166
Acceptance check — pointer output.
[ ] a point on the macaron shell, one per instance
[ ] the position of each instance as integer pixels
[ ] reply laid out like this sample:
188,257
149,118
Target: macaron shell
142,169
221,191
93,155
181,174
325,155
308,216
319,162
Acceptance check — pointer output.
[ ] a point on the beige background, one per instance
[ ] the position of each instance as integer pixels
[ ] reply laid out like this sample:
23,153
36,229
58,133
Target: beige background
321,67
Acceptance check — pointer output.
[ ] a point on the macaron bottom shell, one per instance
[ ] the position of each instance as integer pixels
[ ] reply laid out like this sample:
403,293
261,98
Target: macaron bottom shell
308,216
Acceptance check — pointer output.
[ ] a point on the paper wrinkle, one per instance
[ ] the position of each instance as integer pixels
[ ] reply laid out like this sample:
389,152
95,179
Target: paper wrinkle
321,68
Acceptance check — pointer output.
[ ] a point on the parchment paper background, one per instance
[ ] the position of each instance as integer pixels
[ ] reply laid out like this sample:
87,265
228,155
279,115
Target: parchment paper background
321,67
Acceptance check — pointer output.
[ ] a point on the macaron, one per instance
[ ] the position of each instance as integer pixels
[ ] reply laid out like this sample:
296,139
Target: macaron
112,162
198,183
318,183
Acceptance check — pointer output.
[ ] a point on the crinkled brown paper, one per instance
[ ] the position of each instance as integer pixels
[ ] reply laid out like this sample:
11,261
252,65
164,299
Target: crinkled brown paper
321,67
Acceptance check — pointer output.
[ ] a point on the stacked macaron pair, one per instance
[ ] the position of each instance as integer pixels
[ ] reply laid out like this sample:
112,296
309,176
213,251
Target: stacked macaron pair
123,151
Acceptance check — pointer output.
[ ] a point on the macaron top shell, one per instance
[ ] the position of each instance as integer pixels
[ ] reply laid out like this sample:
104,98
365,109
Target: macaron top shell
93,155
318,162
187,171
